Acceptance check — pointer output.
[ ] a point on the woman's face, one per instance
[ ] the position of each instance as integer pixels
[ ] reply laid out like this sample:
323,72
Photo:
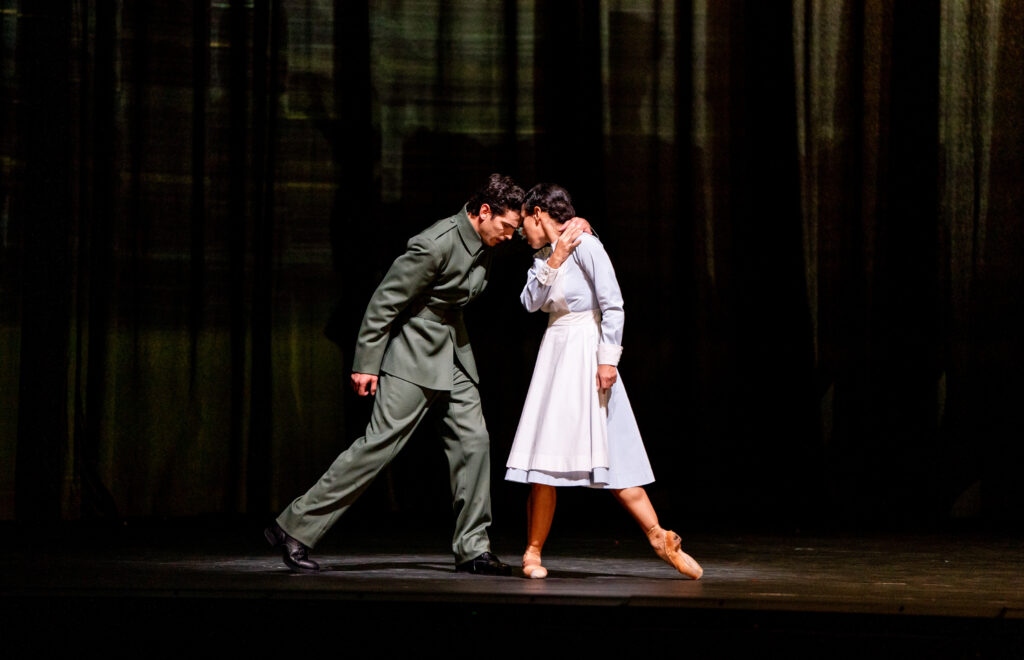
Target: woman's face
533,228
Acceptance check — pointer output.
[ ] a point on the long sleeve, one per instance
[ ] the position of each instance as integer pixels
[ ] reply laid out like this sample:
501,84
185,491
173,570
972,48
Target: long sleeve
595,264
408,277
538,282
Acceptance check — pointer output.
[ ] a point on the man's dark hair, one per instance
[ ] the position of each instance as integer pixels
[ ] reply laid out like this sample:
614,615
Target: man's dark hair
551,198
500,192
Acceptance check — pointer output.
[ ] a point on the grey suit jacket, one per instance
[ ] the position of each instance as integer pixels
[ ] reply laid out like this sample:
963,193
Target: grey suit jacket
413,326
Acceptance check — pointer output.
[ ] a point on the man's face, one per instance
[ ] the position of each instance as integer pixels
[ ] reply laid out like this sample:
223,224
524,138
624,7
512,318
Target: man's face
496,228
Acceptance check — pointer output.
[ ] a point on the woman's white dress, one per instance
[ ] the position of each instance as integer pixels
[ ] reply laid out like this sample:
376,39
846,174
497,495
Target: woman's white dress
569,434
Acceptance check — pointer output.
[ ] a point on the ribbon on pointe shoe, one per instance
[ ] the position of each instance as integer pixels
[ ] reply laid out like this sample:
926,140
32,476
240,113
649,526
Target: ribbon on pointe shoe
667,545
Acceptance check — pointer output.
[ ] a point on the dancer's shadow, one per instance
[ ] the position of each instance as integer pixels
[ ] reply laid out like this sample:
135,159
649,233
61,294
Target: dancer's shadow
388,566
553,574
590,575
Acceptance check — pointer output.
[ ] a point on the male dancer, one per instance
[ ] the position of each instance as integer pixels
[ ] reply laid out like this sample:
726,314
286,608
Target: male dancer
413,353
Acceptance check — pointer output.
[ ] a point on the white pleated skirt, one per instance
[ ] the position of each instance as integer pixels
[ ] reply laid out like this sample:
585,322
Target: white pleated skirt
569,434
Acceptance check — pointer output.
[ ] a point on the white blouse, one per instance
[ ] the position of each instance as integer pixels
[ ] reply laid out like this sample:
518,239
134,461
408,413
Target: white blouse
588,282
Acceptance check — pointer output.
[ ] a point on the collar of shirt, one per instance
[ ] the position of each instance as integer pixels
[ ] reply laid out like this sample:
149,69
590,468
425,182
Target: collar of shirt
470,238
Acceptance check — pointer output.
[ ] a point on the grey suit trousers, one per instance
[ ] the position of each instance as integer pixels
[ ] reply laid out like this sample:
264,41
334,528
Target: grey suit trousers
398,408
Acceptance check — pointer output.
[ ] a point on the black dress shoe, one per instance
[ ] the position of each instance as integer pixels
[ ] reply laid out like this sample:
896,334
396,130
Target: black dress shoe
293,552
485,564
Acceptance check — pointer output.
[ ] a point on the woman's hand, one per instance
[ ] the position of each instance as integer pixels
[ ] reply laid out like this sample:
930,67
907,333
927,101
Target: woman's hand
567,242
606,376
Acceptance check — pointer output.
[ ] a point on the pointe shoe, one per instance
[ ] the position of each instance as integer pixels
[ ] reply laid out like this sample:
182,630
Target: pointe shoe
532,567
666,544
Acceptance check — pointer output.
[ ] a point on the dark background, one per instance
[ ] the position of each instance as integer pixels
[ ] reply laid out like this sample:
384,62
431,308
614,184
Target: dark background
814,209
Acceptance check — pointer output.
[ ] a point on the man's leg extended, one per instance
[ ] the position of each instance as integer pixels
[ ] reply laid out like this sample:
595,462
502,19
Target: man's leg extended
467,447
399,406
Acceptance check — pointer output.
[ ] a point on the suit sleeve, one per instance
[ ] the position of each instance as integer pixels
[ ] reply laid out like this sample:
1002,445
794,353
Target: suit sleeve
594,261
408,277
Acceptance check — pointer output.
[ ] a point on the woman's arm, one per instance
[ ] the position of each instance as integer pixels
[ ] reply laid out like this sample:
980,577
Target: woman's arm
538,284
594,262
546,265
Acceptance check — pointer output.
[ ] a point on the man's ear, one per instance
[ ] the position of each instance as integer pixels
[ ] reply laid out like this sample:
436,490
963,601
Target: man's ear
485,212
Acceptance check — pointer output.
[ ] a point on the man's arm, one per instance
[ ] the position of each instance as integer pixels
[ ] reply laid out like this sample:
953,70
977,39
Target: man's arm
408,277
587,229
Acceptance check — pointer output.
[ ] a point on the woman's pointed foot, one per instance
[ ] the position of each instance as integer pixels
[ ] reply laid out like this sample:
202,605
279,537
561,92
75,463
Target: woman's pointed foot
532,567
668,546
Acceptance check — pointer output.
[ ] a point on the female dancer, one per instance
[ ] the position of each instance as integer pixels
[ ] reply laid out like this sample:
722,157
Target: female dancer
577,427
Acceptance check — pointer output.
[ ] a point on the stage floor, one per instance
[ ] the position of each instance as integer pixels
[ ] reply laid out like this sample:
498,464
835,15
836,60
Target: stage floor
180,587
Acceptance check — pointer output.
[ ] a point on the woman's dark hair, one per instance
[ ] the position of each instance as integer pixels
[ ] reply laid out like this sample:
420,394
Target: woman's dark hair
551,198
500,192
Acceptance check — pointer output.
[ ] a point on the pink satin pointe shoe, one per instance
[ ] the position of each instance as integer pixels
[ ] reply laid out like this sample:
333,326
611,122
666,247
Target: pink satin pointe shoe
532,567
666,544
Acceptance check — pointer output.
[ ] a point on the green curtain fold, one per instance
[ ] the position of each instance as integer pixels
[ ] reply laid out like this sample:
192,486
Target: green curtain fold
813,209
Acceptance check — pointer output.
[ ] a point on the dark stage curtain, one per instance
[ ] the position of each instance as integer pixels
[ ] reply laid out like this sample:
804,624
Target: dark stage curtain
814,209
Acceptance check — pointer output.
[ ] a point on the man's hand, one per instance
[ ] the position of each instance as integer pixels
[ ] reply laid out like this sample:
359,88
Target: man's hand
567,242
606,376
586,225
364,384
